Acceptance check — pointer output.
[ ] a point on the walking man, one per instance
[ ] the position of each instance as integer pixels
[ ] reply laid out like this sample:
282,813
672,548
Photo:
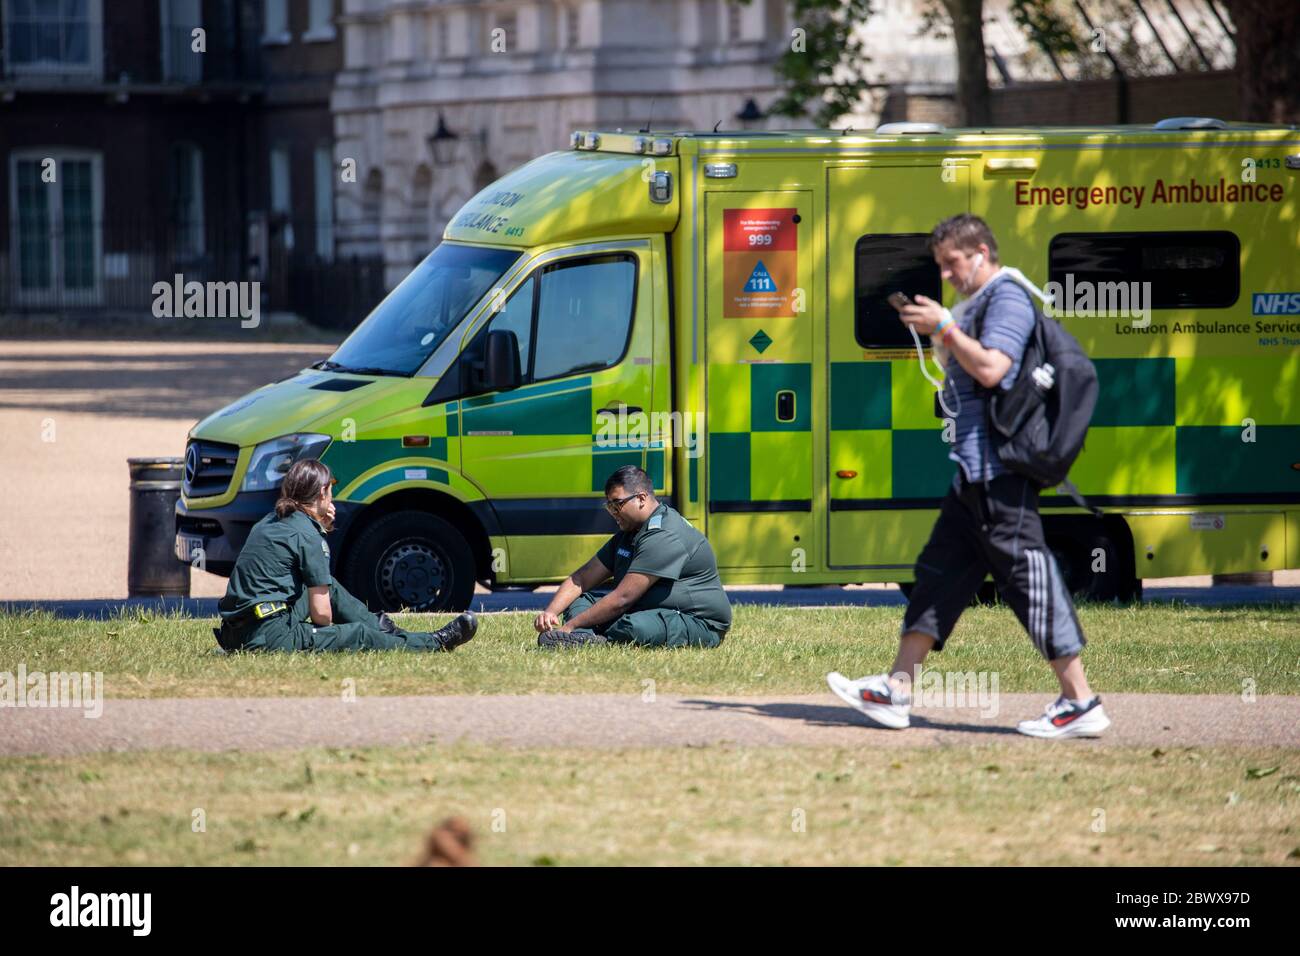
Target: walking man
989,521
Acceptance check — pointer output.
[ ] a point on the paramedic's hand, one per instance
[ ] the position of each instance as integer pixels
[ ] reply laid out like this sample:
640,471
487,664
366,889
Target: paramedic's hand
546,621
923,313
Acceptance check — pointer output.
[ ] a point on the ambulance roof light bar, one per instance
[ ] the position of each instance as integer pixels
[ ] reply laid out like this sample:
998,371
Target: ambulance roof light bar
1191,122
909,129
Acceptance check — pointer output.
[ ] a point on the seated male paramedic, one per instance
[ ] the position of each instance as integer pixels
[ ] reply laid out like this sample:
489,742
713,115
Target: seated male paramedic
666,593
281,596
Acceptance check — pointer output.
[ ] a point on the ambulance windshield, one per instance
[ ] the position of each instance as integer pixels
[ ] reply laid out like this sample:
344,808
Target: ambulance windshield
412,321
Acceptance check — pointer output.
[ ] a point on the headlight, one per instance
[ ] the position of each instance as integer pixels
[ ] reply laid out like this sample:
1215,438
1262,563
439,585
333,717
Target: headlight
271,459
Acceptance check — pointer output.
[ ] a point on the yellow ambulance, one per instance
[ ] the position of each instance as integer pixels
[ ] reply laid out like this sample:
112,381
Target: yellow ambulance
712,307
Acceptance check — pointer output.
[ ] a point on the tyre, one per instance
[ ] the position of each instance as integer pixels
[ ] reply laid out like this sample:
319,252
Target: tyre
1077,556
410,559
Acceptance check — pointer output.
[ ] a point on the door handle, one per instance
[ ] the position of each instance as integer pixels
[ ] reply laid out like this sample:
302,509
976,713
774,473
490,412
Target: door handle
625,409
785,405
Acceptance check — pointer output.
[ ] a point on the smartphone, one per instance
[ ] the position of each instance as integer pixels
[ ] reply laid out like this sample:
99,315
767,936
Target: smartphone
899,300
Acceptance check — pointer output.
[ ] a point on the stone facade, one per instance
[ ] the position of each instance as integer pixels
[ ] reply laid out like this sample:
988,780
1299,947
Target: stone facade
512,80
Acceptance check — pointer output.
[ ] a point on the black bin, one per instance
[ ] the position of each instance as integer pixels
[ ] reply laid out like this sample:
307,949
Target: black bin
153,569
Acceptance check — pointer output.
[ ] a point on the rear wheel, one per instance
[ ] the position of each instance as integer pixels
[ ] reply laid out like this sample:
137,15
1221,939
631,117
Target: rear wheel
1096,562
410,559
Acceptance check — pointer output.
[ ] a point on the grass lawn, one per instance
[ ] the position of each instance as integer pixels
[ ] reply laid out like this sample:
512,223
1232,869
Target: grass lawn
770,650
988,804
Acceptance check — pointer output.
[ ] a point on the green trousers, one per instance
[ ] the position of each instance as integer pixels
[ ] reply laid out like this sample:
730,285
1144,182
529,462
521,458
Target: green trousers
354,629
654,627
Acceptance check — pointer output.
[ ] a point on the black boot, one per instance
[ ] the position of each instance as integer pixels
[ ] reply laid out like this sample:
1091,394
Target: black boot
457,632
387,626
554,639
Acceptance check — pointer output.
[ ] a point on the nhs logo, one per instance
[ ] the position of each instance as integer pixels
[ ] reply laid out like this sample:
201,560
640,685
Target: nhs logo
1275,303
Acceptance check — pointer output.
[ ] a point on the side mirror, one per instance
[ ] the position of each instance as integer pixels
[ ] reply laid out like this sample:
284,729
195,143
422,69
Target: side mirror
501,361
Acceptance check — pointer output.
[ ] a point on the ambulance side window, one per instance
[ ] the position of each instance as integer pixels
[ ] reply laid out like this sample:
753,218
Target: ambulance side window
517,316
584,315
883,265
1186,270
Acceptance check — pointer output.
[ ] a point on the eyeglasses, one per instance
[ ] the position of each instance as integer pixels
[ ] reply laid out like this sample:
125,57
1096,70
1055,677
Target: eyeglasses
616,505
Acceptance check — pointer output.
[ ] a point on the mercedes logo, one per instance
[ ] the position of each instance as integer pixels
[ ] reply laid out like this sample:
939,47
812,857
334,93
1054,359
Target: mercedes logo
191,464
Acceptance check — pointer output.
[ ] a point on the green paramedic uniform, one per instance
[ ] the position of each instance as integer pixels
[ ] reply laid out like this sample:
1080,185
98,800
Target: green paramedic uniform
266,605
686,607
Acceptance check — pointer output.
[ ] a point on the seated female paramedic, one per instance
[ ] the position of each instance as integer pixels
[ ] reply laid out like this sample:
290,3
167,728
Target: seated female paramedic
282,597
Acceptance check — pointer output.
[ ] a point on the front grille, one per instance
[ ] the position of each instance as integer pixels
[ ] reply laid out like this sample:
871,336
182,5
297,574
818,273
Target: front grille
204,527
209,468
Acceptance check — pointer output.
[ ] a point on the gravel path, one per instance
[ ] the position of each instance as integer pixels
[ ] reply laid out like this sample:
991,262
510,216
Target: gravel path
610,720
71,413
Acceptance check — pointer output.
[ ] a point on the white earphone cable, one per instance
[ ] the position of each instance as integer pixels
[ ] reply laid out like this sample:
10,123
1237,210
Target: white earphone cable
920,354
938,385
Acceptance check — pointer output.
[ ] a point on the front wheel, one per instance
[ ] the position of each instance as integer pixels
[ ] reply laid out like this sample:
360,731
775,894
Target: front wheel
410,559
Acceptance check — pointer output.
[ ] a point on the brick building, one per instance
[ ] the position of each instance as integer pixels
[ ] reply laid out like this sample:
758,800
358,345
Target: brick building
146,138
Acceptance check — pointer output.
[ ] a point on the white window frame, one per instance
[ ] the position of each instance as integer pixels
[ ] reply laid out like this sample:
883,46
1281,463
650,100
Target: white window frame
323,192
508,21
196,226
572,27
94,65
734,16
56,292
276,32
283,174
167,26
318,30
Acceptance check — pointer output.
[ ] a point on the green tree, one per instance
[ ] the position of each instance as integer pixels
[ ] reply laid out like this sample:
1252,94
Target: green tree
826,75
1268,60
824,68
974,103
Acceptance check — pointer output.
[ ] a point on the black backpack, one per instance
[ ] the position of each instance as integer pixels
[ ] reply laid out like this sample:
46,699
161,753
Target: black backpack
1040,430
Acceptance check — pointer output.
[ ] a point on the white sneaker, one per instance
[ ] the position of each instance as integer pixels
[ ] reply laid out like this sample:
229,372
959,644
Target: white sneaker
874,697
1064,719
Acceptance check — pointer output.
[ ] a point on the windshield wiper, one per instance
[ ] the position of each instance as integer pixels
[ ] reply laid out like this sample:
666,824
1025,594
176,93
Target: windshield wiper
370,370
589,367
329,366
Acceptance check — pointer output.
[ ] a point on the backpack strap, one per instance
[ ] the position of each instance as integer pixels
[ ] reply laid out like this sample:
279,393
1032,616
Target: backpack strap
1069,488
985,445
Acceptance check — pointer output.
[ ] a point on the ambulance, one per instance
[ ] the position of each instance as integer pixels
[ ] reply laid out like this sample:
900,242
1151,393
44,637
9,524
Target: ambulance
712,307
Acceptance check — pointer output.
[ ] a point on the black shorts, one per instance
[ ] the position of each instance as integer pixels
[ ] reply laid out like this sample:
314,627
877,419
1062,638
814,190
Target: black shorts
993,529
